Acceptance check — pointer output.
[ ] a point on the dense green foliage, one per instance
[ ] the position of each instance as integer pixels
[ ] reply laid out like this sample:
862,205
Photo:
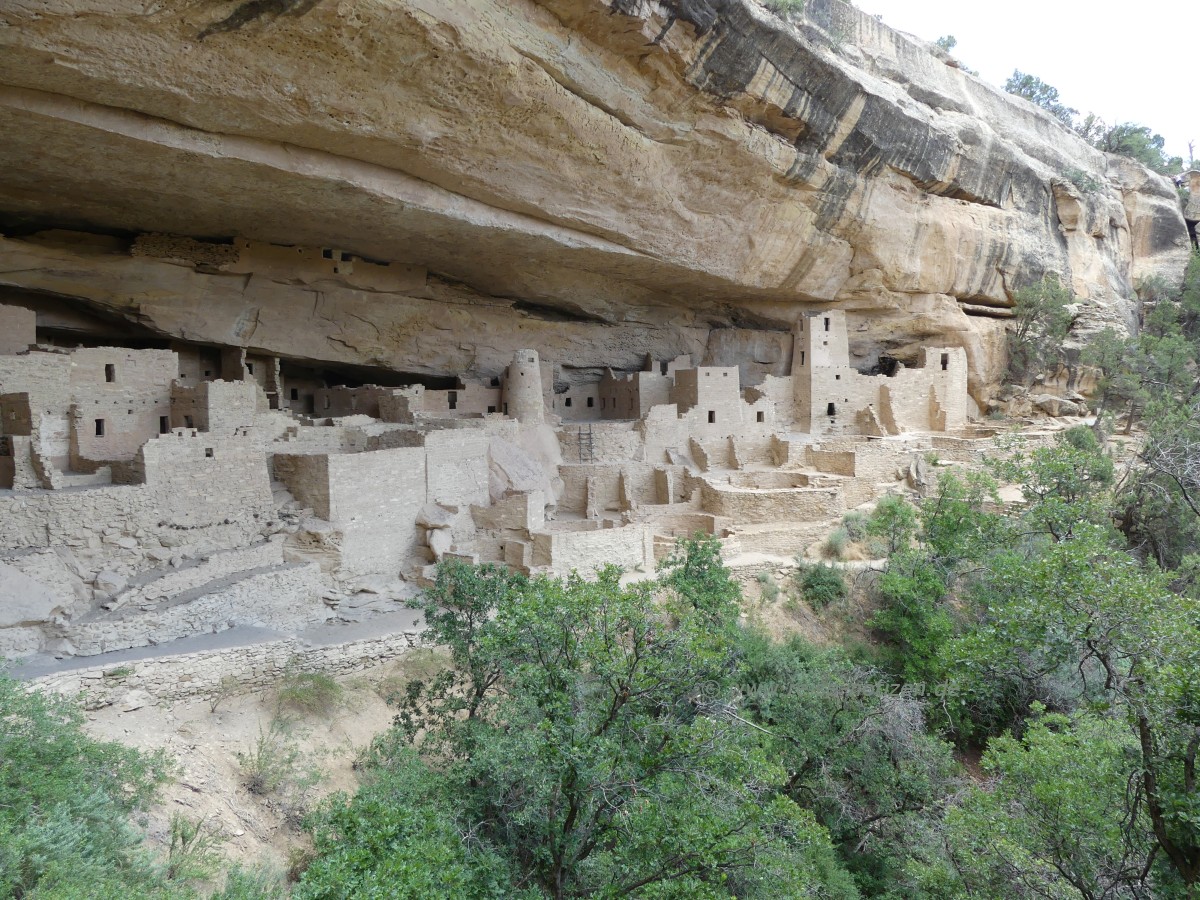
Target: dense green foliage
65,806
821,584
68,805
586,740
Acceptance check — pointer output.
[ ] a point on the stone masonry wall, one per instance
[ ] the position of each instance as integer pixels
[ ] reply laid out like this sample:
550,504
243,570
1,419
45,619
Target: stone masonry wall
629,547
457,466
760,506
120,399
200,675
307,477
18,329
375,498
205,478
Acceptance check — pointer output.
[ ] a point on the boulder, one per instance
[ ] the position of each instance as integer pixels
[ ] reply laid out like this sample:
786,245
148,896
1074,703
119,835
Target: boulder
1056,406
24,601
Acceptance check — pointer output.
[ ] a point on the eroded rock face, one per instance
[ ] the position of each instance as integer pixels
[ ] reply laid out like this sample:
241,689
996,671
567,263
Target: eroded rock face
595,178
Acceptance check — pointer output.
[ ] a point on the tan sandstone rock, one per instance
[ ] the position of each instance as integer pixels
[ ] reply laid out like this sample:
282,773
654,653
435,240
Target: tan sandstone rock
593,178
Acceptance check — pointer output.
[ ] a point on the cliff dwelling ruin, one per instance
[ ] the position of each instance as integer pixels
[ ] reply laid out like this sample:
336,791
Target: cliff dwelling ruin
266,356
150,494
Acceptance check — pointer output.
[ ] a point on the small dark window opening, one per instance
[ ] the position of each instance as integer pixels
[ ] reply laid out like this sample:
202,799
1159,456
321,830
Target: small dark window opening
208,373
663,368
837,377
945,361
827,324
495,382
110,372
345,256
712,417
327,253
830,409
506,409
187,422
801,357
567,402
452,399
760,417
164,424
208,452
491,409
724,374
99,428
295,394
250,368
591,402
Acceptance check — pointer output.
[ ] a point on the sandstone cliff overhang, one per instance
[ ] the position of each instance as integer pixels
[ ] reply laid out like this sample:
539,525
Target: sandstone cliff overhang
676,168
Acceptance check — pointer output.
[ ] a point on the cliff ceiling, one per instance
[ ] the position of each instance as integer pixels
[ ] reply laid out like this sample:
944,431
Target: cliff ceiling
597,179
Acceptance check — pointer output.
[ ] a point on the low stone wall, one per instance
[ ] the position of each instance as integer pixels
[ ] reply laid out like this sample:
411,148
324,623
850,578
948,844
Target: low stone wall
750,506
199,675
785,539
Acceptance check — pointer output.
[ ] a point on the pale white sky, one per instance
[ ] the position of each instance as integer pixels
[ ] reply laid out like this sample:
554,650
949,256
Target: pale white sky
1125,62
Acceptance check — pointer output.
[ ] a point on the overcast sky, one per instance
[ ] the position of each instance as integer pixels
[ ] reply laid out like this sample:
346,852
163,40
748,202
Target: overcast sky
1124,62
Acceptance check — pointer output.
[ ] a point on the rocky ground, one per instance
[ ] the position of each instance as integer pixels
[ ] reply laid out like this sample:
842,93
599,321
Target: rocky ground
313,752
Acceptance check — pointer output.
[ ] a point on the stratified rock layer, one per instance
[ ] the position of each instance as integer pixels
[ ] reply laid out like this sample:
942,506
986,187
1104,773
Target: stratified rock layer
595,178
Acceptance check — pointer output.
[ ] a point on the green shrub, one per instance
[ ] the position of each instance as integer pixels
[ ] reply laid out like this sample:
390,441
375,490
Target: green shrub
251,884
855,525
309,693
770,589
1082,180
835,545
192,853
271,760
226,688
784,7
65,804
1041,317
821,584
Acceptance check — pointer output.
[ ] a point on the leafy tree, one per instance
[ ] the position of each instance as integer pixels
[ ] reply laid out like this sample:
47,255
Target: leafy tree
1054,821
1039,93
1140,143
856,749
947,42
894,520
587,740
1082,622
1066,485
916,617
956,526
1119,386
400,838
1041,320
